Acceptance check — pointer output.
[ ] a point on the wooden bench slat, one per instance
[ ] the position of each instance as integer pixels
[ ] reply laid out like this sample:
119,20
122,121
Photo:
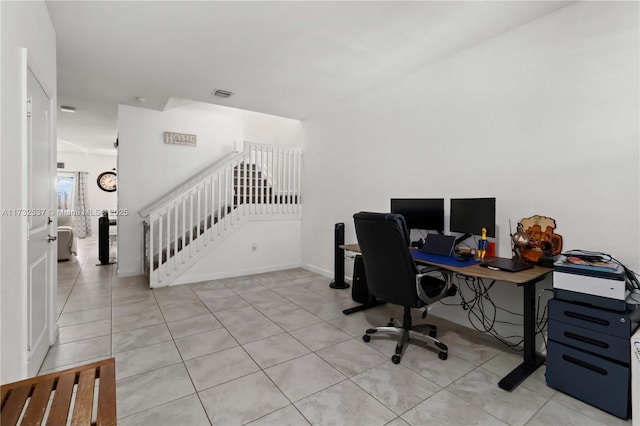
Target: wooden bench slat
82,410
61,385
62,400
38,403
107,407
4,391
15,403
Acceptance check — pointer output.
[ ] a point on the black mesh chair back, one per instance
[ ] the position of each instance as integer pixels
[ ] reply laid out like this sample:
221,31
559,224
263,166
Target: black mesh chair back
391,271
392,276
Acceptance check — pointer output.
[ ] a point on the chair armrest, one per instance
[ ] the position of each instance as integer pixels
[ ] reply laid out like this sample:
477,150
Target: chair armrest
434,272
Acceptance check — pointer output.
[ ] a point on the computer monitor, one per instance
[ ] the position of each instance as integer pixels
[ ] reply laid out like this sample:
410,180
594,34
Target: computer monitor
420,213
470,215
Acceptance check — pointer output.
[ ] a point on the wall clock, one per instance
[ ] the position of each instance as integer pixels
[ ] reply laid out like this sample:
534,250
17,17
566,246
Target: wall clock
107,181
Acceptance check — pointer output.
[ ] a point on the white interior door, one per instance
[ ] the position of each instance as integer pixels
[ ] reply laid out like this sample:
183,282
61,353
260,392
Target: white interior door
39,209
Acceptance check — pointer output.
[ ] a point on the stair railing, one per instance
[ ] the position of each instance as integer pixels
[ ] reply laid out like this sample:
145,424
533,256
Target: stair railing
259,182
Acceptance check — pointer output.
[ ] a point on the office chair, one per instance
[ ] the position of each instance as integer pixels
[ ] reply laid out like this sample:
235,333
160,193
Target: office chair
392,276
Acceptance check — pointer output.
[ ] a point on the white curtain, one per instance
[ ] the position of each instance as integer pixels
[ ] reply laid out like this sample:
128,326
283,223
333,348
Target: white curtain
82,219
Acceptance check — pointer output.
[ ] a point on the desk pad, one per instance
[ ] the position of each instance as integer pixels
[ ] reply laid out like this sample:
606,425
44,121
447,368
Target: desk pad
444,260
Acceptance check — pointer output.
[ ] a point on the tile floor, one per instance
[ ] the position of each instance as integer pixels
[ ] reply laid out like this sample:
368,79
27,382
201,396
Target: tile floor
275,349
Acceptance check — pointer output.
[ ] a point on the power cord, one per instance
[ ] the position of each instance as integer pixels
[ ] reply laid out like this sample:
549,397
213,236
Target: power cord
482,311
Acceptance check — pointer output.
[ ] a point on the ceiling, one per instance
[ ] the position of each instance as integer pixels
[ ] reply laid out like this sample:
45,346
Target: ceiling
282,58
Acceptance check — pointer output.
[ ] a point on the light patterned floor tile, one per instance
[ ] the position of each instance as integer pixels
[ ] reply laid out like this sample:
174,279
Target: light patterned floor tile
194,325
320,336
251,331
242,400
143,391
554,413
175,311
344,404
294,320
207,371
74,352
275,350
341,357
73,333
287,416
599,416
80,317
147,358
444,408
140,337
303,376
479,388
183,411
426,363
197,345
139,320
396,386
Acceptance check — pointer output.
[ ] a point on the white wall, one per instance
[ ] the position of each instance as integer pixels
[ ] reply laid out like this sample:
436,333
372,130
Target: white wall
148,168
277,247
23,24
94,164
544,118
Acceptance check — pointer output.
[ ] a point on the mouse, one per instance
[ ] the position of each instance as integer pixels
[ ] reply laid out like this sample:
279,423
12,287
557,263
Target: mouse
462,259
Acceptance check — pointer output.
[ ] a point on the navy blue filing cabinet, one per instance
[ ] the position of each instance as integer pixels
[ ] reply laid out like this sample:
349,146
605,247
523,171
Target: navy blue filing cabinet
589,354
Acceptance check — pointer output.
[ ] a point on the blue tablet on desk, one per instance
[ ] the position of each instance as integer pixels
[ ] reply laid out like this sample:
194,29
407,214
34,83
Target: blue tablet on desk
443,260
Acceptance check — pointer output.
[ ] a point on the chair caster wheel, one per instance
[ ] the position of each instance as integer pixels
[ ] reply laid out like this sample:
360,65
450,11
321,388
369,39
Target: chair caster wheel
366,338
433,333
442,355
395,359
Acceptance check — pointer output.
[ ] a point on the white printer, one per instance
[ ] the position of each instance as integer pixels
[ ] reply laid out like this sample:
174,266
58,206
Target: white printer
597,278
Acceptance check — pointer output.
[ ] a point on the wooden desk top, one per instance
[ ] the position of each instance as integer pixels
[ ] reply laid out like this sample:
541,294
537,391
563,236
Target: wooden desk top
478,271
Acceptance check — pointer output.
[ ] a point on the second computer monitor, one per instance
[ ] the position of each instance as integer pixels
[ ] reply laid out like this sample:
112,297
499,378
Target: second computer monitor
470,215
420,213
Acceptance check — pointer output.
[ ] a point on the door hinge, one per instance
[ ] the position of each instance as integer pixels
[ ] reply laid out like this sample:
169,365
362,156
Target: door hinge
29,107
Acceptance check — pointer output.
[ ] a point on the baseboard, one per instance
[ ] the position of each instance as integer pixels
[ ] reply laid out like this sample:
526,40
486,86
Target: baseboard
323,272
233,273
127,274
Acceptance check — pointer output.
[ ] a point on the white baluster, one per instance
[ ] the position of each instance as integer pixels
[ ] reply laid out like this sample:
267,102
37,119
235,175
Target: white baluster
160,248
152,271
299,181
191,238
175,235
212,210
198,201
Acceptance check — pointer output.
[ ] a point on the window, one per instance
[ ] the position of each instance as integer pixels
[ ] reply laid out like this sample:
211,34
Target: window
64,186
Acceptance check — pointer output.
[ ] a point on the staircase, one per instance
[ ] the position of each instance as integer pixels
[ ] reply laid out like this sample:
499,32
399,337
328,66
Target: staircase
262,182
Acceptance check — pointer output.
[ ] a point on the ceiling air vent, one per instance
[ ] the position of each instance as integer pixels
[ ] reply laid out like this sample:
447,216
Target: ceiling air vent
222,93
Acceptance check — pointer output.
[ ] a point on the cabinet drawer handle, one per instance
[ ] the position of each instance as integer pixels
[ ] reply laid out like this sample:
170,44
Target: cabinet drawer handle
586,318
588,340
584,365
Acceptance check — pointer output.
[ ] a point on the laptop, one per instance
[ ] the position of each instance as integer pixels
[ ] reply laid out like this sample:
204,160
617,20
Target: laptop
441,245
508,265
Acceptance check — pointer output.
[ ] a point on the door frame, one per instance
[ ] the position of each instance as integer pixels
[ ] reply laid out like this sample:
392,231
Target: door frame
28,63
